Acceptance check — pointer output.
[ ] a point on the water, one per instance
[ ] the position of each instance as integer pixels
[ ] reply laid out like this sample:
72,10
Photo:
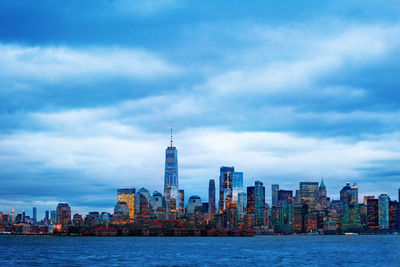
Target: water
296,251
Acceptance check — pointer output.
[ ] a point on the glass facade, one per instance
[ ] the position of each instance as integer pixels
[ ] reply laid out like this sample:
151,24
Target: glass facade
223,185
274,190
383,209
237,185
171,174
127,195
259,200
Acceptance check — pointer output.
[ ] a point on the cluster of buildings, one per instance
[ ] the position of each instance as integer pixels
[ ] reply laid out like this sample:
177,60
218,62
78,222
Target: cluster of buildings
230,208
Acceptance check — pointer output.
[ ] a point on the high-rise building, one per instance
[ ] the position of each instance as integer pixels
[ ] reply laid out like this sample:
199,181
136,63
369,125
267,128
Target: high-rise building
142,202
193,203
223,185
259,203
171,185
285,195
345,194
47,216
34,214
242,202
63,214
250,200
354,193
181,206
127,195
237,185
372,214
274,190
211,199
309,193
383,208
394,215
322,194
23,216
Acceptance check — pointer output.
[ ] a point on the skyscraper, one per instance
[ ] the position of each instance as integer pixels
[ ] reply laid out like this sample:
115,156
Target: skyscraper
345,194
237,185
127,195
274,191
250,200
259,200
63,214
354,193
242,202
224,175
383,209
171,185
47,217
322,194
34,214
211,199
372,214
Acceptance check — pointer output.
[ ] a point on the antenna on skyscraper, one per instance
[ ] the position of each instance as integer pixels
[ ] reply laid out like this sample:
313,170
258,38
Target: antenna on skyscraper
171,137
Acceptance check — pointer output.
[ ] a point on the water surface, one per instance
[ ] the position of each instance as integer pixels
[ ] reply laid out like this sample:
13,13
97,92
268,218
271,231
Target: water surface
383,250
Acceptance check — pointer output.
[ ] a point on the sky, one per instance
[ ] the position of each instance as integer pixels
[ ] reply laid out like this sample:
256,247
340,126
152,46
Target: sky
285,91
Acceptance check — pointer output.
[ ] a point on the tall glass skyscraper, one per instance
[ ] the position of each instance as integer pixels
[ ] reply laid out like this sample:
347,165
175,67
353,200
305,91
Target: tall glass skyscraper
274,190
383,209
259,203
171,185
237,185
223,175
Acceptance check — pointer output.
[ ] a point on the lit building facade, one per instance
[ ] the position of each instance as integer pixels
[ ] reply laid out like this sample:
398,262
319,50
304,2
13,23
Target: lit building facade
224,174
127,195
63,214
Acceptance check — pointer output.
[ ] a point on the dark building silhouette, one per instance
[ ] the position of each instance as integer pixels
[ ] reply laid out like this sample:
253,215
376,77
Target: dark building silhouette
372,214
211,199
250,200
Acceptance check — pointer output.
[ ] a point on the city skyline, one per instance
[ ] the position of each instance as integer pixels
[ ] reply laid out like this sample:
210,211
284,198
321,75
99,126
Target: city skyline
284,92
230,187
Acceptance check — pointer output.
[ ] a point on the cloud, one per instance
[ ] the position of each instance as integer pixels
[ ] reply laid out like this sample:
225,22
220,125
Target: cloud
56,63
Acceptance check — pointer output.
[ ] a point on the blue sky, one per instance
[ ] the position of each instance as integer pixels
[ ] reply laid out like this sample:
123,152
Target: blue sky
284,91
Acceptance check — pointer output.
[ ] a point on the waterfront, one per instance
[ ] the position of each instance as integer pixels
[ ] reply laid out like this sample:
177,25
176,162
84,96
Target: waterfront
382,250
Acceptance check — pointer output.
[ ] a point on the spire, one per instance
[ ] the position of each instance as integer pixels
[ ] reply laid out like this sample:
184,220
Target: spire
171,137
322,185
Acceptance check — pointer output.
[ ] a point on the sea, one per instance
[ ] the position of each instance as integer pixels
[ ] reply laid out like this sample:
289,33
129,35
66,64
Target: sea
349,250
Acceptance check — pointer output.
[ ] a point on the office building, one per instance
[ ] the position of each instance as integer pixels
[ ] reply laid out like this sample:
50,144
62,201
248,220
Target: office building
63,214
242,203
171,185
322,195
127,195
345,194
225,173
250,200
194,203
34,214
372,214
383,208
259,203
211,199
274,192
237,185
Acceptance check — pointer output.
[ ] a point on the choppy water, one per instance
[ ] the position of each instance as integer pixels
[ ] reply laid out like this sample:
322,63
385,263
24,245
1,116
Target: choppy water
201,251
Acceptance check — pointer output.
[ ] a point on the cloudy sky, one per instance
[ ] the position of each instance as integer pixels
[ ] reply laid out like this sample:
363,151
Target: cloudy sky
285,91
